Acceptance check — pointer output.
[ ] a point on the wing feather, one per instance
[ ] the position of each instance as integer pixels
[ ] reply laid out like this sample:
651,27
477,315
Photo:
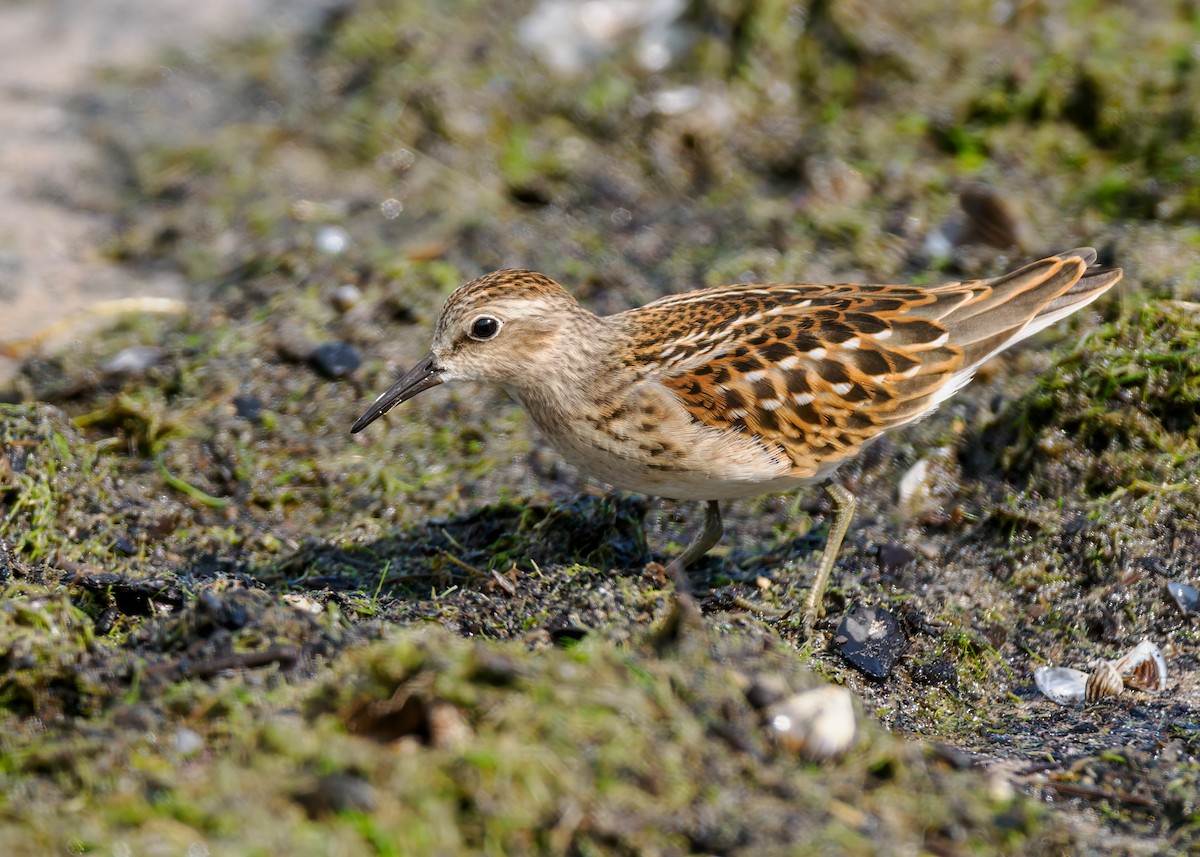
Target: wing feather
817,371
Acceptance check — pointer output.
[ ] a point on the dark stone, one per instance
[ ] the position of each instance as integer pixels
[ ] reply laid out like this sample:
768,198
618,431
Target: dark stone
893,558
871,640
940,672
335,360
336,793
566,634
248,407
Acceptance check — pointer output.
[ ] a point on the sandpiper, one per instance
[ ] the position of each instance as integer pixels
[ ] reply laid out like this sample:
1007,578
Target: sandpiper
738,390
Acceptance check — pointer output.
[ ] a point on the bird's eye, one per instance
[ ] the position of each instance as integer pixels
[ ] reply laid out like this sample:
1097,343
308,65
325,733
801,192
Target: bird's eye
484,327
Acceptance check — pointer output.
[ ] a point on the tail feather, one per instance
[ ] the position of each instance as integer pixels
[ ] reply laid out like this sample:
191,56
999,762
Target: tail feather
1016,306
1015,298
1095,281
1020,304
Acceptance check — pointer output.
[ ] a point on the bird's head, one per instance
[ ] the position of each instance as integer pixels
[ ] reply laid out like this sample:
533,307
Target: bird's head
507,327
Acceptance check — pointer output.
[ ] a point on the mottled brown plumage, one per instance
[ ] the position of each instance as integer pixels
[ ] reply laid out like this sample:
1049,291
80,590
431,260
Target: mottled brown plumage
737,390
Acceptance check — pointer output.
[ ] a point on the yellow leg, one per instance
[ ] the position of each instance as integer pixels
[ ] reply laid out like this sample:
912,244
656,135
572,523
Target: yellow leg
843,512
710,533
687,611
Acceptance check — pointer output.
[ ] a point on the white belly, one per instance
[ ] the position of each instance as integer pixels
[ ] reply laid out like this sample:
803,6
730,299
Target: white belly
707,465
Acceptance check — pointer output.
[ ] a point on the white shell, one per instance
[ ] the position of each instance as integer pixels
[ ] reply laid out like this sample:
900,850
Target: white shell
1061,684
1142,667
1186,596
925,487
817,724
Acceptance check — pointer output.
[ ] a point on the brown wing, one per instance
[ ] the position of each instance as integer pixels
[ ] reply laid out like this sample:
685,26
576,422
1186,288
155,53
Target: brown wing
818,371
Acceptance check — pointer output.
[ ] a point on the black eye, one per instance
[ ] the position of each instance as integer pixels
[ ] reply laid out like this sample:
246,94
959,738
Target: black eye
484,327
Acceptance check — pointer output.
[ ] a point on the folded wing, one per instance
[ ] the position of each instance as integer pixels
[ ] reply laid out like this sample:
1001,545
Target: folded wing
815,372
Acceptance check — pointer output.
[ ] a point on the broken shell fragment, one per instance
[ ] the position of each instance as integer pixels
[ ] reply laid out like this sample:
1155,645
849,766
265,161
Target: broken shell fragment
1185,596
1104,681
1061,684
816,724
1142,667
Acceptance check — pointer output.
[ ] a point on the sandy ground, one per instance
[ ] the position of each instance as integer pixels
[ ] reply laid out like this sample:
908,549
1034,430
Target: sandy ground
50,267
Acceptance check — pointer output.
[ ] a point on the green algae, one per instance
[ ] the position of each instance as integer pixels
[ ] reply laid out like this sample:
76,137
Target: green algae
435,744
1119,413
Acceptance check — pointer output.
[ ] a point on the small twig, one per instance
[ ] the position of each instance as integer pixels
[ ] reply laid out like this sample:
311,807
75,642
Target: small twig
754,607
464,566
457,544
1051,764
187,488
186,668
1094,793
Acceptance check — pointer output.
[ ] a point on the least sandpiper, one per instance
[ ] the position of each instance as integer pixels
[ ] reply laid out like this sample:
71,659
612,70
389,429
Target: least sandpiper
738,390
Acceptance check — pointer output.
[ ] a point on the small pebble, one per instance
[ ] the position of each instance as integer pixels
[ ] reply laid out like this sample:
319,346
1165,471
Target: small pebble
993,218
133,361
892,558
345,297
187,742
303,603
335,359
248,408
332,240
293,344
817,724
1185,596
334,793
766,690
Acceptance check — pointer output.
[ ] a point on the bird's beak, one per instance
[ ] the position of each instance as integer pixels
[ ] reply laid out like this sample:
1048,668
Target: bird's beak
420,377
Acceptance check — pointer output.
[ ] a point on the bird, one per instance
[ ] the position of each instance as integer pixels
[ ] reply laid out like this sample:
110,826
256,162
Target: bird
733,391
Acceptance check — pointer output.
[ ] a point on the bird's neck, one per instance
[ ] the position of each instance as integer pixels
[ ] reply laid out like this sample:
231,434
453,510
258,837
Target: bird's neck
586,366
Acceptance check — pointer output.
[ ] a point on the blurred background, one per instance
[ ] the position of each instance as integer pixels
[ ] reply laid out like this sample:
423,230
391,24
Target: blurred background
630,147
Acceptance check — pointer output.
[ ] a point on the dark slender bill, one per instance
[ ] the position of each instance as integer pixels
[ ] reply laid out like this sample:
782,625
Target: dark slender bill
420,377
